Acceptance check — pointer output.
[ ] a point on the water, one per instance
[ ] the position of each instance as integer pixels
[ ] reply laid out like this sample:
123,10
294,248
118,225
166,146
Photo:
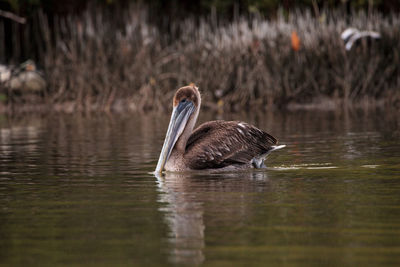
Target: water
78,190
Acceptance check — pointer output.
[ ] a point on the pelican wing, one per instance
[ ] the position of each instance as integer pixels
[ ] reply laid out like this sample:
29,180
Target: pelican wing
217,144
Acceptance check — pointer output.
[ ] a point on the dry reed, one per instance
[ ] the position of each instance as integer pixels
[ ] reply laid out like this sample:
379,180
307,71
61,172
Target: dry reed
92,62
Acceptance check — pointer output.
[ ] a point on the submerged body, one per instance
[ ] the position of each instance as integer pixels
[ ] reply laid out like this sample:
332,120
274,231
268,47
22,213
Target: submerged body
215,145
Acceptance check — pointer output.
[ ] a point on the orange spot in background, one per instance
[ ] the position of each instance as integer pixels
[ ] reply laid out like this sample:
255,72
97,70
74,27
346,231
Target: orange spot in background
30,67
295,41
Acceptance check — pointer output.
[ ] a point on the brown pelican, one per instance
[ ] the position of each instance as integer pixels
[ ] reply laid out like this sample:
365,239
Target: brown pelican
214,145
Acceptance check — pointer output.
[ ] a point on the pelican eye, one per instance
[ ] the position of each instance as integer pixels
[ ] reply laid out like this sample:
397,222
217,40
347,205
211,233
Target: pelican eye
183,100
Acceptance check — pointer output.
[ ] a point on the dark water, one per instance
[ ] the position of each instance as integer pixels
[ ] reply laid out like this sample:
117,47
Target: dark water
77,190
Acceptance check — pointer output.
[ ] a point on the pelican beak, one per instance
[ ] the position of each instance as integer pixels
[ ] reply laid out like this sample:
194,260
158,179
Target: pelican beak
179,118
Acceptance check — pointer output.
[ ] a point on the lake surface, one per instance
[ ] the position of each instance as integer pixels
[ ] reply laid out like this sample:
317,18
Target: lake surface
78,190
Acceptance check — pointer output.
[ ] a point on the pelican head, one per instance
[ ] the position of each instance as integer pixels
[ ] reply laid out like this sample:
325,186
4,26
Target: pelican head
185,109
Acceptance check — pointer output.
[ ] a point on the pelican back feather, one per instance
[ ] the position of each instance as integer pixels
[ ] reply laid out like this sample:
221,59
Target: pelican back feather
217,144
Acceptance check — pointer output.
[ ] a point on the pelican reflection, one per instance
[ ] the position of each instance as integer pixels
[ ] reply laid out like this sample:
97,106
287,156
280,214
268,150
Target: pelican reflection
183,197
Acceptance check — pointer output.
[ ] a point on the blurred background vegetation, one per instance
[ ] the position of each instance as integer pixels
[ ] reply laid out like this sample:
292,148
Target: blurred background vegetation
164,14
181,8
113,54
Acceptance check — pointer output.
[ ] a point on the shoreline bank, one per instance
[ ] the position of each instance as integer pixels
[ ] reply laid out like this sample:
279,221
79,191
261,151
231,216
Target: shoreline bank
123,106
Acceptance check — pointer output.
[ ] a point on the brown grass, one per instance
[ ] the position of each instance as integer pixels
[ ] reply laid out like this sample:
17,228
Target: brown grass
94,63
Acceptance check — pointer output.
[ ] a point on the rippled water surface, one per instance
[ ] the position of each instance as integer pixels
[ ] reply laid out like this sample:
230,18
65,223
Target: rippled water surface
78,190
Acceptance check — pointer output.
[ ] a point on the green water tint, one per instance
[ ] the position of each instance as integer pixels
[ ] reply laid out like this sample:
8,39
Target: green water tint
78,190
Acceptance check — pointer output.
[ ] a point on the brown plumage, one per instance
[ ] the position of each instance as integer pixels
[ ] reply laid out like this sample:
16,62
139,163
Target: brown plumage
218,144
214,145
